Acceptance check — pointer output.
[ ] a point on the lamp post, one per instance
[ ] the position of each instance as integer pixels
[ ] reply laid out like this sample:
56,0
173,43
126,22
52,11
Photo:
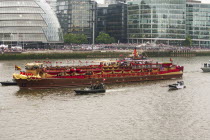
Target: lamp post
12,38
93,21
23,41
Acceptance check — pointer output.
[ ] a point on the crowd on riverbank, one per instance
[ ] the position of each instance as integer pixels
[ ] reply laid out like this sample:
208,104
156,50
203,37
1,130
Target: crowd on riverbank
105,47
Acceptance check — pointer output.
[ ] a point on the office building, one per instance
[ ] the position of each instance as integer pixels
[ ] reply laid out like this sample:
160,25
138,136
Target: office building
157,21
101,20
77,16
197,23
117,22
113,20
169,22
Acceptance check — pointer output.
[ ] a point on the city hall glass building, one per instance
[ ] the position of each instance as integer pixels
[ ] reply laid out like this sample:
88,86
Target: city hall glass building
29,23
157,21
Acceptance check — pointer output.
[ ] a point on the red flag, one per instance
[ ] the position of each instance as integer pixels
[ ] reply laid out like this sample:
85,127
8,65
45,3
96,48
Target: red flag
171,60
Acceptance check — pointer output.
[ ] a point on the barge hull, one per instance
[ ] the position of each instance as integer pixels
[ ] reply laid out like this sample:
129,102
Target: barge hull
67,82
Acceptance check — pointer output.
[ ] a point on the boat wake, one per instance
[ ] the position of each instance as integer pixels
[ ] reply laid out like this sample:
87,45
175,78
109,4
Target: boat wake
114,90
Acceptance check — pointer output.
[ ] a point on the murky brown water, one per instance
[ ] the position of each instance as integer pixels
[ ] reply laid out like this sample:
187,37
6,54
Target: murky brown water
134,111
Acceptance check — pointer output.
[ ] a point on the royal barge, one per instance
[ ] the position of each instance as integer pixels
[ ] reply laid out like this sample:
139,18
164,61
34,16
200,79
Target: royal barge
132,69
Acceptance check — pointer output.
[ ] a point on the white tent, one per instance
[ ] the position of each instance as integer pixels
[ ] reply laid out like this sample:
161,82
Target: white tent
3,46
17,47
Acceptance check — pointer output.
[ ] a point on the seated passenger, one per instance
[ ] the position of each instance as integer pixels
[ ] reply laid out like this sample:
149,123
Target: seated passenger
205,64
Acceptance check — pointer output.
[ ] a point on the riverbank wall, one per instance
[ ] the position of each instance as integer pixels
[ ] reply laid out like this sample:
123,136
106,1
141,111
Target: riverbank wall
97,54
63,55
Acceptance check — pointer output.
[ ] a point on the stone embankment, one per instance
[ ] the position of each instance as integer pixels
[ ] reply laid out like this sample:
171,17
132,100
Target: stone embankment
63,55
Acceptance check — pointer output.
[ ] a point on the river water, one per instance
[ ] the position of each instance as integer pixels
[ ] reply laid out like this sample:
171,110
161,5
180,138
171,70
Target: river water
132,111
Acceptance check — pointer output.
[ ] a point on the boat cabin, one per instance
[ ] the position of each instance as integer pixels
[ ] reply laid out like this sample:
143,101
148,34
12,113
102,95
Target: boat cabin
108,63
34,68
206,65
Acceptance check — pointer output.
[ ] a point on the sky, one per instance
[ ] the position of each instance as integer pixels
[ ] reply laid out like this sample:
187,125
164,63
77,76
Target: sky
100,1
204,1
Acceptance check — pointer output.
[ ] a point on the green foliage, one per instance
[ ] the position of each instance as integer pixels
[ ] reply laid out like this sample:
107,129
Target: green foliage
104,38
187,42
75,39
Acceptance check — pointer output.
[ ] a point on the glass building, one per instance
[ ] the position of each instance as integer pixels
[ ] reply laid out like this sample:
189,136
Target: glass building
157,21
198,23
101,19
117,22
77,16
29,23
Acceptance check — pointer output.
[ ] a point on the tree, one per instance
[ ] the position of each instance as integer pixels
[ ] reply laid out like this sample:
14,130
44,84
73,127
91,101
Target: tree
75,39
187,42
104,38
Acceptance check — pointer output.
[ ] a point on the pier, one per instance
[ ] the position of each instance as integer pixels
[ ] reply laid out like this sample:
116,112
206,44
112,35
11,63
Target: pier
183,53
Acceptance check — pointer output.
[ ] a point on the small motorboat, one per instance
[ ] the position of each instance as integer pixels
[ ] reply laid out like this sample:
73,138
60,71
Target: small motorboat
99,88
178,85
206,67
8,83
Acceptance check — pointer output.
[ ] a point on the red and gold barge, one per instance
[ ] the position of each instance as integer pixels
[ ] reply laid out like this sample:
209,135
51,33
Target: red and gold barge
120,71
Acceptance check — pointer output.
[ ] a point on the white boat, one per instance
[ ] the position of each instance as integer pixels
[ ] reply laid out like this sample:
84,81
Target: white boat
178,85
206,67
